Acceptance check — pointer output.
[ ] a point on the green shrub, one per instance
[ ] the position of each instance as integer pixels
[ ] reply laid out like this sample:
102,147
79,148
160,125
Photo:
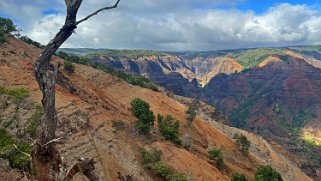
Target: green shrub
217,155
69,67
169,128
190,114
161,169
34,122
30,41
243,143
16,159
238,177
145,116
6,27
152,161
267,173
151,156
17,93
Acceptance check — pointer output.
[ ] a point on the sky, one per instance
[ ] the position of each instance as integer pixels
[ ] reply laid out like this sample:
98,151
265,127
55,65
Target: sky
174,25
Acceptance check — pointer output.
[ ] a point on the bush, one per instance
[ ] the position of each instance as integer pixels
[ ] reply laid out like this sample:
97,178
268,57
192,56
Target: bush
145,116
217,155
30,41
16,159
69,67
6,27
152,161
17,93
238,177
169,128
243,143
267,173
190,114
151,156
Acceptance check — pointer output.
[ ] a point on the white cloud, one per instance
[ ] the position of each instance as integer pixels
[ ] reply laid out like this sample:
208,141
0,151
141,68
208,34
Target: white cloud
178,25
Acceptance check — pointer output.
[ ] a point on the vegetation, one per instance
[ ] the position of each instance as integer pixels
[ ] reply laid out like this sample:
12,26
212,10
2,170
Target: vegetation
34,122
69,67
190,114
129,78
217,156
267,173
132,54
6,27
145,116
30,41
18,159
243,143
251,58
169,128
152,161
118,124
238,177
17,93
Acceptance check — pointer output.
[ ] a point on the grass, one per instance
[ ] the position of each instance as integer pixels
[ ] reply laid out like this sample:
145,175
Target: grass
251,58
18,94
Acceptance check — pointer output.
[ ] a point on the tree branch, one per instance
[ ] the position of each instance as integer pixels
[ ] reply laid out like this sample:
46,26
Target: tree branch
98,11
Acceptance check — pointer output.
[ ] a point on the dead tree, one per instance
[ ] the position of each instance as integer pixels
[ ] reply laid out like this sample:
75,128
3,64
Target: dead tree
44,153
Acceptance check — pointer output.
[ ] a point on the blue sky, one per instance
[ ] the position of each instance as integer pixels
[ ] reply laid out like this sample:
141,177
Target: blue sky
175,24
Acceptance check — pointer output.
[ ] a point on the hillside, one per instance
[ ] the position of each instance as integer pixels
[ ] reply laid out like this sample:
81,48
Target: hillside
273,92
89,100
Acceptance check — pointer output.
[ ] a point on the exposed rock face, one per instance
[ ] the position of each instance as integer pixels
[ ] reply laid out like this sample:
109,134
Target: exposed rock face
276,99
89,100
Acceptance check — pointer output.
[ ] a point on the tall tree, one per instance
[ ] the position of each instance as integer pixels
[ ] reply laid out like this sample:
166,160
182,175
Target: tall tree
45,154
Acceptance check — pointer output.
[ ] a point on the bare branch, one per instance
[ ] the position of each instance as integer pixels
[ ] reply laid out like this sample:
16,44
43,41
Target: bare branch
98,11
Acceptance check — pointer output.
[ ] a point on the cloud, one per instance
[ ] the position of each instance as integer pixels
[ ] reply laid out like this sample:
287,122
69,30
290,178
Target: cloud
181,25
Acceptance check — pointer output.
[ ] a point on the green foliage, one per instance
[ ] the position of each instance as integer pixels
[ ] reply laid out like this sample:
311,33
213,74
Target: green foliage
16,158
132,54
243,143
169,128
238,177
145,116
251,58
267,173
129,78
17,93
34,122
190,114
69,67
152,161
30,41
151,156
160,168
6,27
217,155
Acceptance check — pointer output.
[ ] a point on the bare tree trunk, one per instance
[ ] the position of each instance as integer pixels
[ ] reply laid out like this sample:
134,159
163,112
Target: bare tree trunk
44,153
